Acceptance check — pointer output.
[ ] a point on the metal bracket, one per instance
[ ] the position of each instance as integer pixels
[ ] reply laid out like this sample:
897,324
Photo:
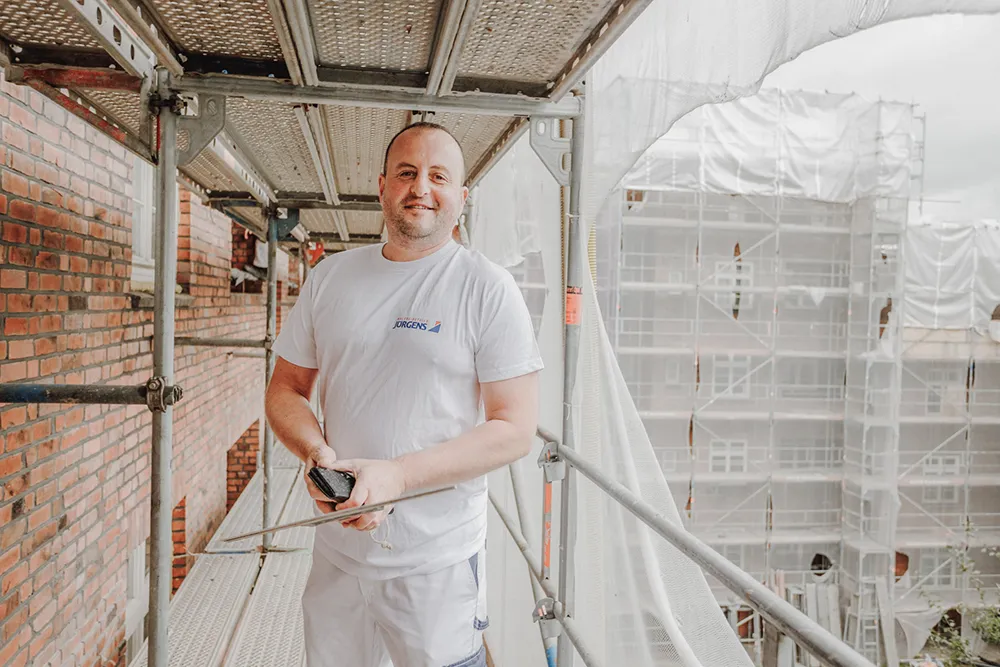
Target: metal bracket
552,466
159,395
552,149
114,34
545,614
286,219
201,129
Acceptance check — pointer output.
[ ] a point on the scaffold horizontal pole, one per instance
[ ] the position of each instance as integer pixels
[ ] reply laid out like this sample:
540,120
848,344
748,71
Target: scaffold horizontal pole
218,342
81,394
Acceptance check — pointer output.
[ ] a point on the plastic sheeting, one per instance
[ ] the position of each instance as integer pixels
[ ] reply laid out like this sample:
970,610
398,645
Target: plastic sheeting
952,274
639,602
822,147
681,55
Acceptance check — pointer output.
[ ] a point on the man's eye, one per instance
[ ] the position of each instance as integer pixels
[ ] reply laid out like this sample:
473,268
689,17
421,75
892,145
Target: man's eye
440,177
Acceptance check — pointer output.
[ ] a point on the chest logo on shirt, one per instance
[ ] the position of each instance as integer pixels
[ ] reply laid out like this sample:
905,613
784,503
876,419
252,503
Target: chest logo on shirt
418,324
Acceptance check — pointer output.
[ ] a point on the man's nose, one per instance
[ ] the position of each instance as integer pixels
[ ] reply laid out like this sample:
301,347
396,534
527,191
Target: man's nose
420,186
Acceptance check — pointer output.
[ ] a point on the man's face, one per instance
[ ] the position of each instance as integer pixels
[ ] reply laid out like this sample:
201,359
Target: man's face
421,191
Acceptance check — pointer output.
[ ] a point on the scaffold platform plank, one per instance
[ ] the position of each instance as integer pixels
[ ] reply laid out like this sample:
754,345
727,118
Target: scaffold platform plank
299,506
206,609
246,514
283,458
270,632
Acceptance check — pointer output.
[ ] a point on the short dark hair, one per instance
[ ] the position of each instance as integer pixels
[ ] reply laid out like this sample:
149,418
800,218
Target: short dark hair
424,125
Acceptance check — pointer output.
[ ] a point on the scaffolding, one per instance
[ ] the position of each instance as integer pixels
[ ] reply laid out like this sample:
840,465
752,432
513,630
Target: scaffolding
761,337
263,139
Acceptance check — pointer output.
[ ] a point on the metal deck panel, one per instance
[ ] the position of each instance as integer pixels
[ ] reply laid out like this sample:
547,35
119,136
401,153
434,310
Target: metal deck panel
475,133
375,34
270,634
211,173
283,457
206,609
43,22
246,514
358,222
123,107
523,41
278,144
234,28
299,506
359,140
364,222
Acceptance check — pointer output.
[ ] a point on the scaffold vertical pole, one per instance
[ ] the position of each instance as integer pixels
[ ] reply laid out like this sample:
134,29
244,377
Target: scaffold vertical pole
272,326
575,254
161,546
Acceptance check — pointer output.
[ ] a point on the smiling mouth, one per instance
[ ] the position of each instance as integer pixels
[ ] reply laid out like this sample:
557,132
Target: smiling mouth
419,207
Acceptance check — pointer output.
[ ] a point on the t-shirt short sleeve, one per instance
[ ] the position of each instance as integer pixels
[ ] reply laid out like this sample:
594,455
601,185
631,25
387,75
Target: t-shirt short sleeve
296,342
507,347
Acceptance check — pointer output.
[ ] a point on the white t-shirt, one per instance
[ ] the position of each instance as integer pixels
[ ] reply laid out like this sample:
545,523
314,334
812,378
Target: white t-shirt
401,348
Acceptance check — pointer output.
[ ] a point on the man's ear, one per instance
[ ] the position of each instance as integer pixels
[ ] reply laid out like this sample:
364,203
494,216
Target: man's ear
381,186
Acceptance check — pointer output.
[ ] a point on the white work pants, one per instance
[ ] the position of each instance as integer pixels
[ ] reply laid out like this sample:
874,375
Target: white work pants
428,620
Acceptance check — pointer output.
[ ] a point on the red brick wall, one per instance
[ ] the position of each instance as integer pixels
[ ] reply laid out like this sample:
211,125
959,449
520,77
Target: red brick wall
241,463
178,535
74,480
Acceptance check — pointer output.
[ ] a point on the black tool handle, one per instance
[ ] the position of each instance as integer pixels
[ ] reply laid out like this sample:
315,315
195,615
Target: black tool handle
334,484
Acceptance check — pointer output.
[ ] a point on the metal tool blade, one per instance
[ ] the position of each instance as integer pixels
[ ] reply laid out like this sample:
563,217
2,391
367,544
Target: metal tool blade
342,514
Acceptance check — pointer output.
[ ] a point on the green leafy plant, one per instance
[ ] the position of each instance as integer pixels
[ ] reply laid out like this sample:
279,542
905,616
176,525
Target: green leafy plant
986,623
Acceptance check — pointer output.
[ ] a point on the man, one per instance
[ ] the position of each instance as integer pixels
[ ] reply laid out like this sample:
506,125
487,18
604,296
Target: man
407,340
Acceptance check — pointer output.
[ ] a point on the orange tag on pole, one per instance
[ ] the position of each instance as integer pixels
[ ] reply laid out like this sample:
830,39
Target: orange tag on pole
573,305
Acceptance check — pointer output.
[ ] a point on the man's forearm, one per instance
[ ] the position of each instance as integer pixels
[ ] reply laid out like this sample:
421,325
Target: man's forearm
476,452
293,422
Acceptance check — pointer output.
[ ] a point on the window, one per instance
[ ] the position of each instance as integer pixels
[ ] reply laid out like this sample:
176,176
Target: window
938,567
798,453
137,600
667,459
737,276
940,494
727,456
941,465
730,377
143,213
939,382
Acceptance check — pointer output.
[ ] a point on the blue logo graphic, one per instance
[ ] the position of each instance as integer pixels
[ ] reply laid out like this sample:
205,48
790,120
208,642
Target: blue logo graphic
419,325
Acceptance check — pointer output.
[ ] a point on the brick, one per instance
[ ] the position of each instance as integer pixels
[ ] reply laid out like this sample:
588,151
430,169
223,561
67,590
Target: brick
22,210
13,279
19,349
13,183
14,233
16,137
20,256
13,372
23,117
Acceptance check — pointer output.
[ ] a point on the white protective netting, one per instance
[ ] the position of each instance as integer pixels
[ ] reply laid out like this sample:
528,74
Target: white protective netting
639,602
952,274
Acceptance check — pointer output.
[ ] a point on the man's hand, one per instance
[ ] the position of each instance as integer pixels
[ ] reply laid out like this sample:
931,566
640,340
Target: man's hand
322,457
375,481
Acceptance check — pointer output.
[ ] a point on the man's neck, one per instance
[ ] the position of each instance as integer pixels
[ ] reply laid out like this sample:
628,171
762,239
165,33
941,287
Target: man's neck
395,251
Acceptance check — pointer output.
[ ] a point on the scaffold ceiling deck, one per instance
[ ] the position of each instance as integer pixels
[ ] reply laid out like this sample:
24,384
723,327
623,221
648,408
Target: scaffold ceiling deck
315,88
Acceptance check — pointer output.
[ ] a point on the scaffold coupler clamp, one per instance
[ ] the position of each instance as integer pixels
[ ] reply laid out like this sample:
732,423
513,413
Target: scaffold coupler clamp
545,614
159,395
552,466
172,102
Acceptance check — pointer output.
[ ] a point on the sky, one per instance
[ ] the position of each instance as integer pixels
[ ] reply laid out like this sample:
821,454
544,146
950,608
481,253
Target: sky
950,67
